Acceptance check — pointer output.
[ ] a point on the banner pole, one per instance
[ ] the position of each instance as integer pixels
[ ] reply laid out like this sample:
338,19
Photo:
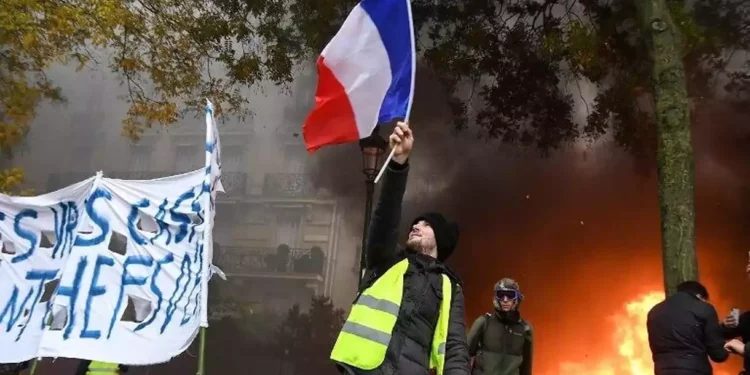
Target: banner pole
202,352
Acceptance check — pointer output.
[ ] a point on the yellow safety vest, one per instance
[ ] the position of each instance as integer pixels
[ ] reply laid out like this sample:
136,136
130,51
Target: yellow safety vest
364,339
96,367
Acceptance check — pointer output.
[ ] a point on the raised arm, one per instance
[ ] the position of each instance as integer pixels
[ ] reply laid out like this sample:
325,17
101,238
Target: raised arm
382,238
456,349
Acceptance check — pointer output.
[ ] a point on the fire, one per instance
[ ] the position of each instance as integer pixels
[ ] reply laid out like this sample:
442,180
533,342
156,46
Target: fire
630,339
632,336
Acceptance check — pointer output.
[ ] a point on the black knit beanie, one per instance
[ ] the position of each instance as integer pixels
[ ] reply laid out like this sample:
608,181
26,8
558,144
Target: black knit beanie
446,233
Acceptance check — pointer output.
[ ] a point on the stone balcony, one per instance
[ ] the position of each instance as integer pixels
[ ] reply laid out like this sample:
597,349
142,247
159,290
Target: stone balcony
236,184
288,185
266,262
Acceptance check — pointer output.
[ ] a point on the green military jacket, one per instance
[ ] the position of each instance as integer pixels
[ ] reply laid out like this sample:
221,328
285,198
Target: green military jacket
500,347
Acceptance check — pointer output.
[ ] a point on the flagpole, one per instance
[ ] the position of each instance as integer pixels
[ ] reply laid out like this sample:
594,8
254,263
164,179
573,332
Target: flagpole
411,89
202,352
382,169
212,139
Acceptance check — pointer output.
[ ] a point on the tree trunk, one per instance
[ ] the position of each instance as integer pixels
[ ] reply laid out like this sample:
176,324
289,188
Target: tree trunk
675,152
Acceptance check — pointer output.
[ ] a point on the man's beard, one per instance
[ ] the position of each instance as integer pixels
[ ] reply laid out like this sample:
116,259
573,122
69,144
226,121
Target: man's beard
416,247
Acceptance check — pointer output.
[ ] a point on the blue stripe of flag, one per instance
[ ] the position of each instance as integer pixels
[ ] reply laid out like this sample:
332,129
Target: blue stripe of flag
392,18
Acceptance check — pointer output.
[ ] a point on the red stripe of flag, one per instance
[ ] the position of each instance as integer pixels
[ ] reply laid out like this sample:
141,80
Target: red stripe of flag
332,120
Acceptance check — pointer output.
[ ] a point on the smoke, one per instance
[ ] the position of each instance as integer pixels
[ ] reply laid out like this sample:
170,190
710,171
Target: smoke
579,230
68,137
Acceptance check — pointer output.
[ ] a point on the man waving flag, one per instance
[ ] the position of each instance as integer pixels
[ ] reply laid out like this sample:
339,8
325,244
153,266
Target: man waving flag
365,74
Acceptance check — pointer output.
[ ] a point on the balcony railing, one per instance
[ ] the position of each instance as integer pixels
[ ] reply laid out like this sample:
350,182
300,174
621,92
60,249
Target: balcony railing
288,185
234,183
248,260
60,180
136,175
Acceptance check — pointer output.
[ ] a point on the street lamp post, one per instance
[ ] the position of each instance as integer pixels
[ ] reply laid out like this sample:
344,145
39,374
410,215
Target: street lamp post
373,147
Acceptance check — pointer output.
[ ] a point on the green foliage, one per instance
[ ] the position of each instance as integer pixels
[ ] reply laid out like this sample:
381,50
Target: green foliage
11,180
307,338
521,61
169,54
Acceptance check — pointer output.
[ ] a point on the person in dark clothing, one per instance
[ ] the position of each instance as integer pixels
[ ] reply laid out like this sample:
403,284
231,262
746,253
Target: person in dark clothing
684,332
502,342
740,328
408,345
13,368
733,328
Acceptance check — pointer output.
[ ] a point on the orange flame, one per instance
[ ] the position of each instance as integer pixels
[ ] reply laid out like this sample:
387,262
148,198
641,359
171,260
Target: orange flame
631,341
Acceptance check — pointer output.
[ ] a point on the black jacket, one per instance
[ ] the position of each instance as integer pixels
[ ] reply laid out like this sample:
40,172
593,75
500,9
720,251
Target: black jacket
683,333
409,349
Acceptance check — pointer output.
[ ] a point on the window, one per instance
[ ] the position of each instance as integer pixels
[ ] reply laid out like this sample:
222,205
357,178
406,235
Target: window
295,158
189,158
140,158
231,158
288,228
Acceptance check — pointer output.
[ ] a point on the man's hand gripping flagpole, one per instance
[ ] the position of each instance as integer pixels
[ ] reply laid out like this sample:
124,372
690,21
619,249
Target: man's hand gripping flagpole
395,142
401,142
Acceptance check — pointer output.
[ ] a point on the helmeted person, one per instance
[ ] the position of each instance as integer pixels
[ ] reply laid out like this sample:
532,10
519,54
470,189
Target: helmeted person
87,367
501,342
408,315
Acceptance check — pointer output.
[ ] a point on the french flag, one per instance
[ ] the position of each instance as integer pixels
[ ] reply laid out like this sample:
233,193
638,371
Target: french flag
365,74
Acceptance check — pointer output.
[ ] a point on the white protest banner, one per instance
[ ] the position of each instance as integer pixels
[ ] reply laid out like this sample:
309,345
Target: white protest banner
130,259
